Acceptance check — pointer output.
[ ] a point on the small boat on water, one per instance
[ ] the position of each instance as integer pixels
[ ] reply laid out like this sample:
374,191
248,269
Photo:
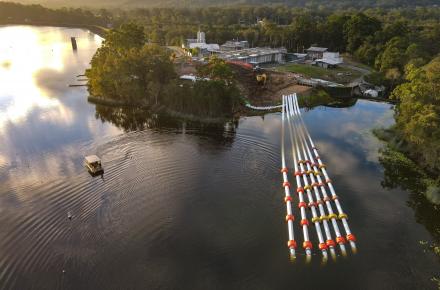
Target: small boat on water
93,164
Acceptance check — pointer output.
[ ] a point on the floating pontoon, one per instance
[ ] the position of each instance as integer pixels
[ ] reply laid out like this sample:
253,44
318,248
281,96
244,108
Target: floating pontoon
93,164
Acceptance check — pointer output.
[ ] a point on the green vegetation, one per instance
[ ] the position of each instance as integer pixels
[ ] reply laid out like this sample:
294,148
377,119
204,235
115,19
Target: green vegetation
311,4
340,74
35,14
414,141
127,69
124,68
418,114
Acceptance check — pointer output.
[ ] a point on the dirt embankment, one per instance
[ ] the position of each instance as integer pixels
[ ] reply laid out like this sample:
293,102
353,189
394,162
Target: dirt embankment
277,83
270,93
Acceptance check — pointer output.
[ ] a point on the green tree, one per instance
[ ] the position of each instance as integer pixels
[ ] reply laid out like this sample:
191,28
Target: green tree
129,35
125,68
393,55
216,69
358,28
418,113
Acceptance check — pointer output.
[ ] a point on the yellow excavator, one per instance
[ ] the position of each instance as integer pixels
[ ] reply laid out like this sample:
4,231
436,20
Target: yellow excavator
261,79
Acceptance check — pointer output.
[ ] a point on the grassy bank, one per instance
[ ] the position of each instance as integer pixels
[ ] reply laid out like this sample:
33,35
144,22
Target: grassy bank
339,74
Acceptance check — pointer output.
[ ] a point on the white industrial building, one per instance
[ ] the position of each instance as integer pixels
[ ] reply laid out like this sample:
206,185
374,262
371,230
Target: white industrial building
329,60
232,45
256,56
200,43
315,52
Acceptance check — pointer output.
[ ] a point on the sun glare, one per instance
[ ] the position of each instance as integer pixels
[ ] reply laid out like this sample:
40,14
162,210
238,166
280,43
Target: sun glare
24,52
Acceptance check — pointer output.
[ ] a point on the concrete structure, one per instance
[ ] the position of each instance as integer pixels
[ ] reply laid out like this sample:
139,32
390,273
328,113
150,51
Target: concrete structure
256,56
211,47
201,37
329,60
200,43
315,52
234,45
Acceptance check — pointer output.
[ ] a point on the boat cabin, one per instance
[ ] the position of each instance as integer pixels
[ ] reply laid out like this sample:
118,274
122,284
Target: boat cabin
93,164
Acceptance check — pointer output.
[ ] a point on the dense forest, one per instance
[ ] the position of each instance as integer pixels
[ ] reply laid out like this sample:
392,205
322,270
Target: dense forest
340,4
18,13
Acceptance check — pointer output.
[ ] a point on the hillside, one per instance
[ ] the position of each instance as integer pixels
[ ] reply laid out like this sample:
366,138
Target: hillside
334,4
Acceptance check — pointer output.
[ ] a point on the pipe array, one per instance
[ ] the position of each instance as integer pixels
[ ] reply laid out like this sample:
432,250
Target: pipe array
308,171
291,244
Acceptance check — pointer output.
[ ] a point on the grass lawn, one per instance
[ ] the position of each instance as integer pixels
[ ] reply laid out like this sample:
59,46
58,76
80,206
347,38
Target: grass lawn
345,74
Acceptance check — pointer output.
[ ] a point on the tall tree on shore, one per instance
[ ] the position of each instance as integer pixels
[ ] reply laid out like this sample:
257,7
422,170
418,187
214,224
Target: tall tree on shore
358,28
418,113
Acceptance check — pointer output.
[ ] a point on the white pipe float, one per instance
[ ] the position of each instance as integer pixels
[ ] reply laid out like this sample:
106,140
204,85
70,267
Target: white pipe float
291,244
311,204
329,243
324,218
307,244
341,215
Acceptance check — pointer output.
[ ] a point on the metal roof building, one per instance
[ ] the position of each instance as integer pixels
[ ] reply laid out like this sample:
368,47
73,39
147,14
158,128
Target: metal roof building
256,56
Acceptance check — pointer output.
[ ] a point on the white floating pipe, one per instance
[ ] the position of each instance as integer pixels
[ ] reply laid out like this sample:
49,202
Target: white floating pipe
307,245
329,243
291,244
342,216
332,217
307,187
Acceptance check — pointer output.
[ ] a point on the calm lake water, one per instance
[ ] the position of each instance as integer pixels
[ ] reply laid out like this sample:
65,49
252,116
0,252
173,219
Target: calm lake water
181,205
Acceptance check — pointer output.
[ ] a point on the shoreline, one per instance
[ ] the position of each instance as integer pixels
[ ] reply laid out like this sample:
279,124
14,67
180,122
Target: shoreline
158,109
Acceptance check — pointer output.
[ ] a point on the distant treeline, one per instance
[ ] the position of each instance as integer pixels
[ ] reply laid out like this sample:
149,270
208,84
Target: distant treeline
313,4
12,13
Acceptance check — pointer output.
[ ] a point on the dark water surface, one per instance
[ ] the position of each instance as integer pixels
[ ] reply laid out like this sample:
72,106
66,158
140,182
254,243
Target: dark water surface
181,205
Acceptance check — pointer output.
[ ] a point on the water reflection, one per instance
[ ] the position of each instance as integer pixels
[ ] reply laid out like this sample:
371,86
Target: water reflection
402,173
33,65
139,119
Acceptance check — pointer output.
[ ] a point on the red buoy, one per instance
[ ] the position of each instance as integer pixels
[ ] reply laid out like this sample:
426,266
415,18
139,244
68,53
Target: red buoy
307,245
